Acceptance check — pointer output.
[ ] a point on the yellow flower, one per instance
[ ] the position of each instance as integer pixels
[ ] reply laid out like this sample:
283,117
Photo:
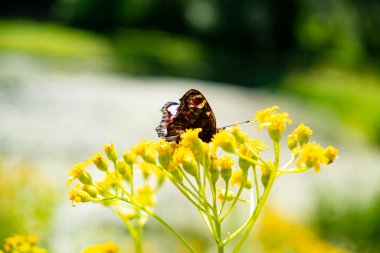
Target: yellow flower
239,135
311,155
292,141
221,193
144,149
110,152
302,133
225,163
237,177
22,244
78,195
185,157
251,149
145,196
190,136
148,168
78,172
214,170
255,147
266,172
32,239
124,169
106,184
331,153
273,121
129,158
108,247
100,162
90,190
224,140
165,151
191,141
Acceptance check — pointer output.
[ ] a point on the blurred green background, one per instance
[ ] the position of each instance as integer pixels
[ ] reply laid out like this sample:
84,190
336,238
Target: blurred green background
321,57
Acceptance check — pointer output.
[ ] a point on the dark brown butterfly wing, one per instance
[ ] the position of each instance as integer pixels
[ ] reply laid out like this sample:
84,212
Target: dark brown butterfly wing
193,112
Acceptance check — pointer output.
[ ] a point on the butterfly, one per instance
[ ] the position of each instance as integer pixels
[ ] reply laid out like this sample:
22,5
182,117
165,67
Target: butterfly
193,111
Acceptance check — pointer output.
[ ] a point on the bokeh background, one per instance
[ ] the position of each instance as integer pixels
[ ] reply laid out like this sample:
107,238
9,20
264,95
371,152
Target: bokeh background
77,74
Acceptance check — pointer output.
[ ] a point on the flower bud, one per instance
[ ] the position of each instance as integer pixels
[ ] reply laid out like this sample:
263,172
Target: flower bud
265,179
275,135
226,163
129,158
124,170
165,151
149,157
221,194
176,173
248,184
292,141
224,140
78,172
77,195
302,132
266,173
191,167
240,137
110,152
91,190
244,164
214,170
100,162
331,153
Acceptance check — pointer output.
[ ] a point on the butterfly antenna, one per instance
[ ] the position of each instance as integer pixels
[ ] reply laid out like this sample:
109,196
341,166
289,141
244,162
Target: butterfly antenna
244,122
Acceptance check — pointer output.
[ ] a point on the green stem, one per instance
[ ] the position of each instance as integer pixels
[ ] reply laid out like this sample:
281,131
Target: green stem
255,153
210,218
138,242
289,163
116,179
135,232
119,185
280,172
225,198
256,183
182,188
185,192
188,180
276,145
252,220
160,220
245,174
132,181
217,222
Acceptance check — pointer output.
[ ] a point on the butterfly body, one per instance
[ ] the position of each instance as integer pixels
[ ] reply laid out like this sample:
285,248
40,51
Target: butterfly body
192,112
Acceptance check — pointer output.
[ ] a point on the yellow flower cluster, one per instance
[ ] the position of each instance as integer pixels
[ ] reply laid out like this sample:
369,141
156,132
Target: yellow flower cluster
197,168
108,247
312,155
176,160
309,154
22,244
273,121
278,234
117,181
